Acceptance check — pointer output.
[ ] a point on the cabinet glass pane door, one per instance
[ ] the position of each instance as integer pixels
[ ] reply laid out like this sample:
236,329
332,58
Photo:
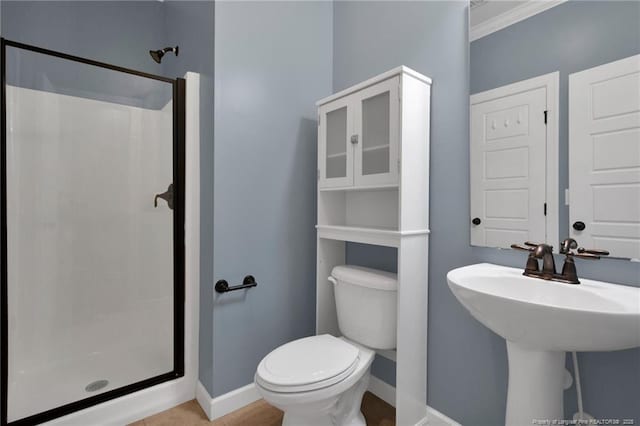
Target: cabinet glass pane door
375,134
336,154
376,122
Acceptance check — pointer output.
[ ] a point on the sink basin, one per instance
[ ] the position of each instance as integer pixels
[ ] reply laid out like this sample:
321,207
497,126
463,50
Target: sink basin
540,320
591,316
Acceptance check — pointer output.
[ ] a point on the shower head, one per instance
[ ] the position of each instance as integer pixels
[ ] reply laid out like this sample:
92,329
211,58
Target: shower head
158,54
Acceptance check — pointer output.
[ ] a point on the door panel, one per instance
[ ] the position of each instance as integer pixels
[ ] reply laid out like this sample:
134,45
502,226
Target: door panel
335,153
94,268
336,165
375,134
508,149
604,156
376,118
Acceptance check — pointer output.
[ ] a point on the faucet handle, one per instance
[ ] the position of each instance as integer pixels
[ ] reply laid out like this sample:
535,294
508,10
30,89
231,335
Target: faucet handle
523,248
567,245
596,252
528,246
532,266
586,256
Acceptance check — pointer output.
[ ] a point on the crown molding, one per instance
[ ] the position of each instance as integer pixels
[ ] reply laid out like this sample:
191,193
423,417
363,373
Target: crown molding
510,17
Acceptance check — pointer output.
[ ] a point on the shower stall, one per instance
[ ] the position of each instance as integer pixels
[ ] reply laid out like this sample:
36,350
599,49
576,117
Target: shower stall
93,223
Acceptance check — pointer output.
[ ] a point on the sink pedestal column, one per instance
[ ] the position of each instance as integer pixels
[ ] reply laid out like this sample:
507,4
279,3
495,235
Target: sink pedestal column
535,385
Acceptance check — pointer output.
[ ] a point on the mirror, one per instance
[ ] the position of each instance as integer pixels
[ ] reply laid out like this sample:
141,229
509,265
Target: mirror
555,124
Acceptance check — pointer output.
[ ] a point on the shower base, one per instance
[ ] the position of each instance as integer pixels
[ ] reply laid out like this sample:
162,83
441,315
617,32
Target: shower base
35,391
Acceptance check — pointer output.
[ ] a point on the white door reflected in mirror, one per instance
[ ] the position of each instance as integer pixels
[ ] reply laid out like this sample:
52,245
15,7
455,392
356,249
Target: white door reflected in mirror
604,157
513,156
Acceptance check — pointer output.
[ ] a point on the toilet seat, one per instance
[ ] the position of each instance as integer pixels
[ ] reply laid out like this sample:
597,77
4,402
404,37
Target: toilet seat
307,364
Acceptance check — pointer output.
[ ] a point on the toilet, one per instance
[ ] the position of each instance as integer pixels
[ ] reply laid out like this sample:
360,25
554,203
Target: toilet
320,380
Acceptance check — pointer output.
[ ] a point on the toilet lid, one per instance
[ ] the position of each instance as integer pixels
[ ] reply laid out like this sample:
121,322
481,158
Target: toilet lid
307,364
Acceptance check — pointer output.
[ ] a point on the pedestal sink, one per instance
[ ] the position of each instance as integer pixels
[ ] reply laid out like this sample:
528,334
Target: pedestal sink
540,320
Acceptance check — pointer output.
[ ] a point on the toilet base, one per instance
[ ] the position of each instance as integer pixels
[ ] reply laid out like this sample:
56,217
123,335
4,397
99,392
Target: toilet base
340,410
293,420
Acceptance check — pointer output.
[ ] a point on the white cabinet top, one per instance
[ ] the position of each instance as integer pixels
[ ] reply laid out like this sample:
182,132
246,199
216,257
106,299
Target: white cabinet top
396,71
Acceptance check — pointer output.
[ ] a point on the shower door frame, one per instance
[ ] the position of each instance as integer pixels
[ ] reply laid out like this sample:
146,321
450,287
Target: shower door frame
179,123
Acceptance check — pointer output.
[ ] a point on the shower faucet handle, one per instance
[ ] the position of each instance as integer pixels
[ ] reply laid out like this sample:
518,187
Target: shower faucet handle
167,196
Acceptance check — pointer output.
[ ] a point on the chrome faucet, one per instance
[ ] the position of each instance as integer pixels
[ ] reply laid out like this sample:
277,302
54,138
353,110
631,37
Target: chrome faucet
545,252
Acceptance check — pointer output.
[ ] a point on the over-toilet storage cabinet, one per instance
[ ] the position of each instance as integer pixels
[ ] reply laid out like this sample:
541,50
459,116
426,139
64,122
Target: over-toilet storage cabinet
373,188
359,138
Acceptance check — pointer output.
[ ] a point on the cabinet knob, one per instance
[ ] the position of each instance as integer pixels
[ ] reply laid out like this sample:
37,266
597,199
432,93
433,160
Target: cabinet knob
579,225
476,221
354,139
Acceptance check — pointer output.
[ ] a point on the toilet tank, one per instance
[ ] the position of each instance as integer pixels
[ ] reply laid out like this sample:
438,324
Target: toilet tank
366,304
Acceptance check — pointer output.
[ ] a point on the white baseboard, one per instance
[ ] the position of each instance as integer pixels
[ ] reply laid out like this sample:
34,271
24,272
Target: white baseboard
224,404
204,399
387,393
221,405
436,418
382,390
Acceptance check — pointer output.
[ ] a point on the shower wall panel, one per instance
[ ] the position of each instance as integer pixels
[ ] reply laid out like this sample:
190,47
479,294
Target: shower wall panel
91,278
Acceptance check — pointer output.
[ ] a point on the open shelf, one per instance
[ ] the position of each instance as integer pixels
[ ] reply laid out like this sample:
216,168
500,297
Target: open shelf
367,235
376,148
377,236
360,188
338,155
377,209
388,354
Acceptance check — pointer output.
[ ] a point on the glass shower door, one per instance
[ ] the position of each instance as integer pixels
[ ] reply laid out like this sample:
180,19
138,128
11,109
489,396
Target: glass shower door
92,265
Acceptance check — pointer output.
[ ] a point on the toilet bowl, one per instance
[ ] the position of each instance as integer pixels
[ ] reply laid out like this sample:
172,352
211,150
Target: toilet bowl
316,381
320,380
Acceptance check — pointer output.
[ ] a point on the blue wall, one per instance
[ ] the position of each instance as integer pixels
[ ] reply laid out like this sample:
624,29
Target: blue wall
574,36
431,37
467,363
86,29
273,61
117,32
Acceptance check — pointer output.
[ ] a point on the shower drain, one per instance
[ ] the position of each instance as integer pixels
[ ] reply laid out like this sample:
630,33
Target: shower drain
96,386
